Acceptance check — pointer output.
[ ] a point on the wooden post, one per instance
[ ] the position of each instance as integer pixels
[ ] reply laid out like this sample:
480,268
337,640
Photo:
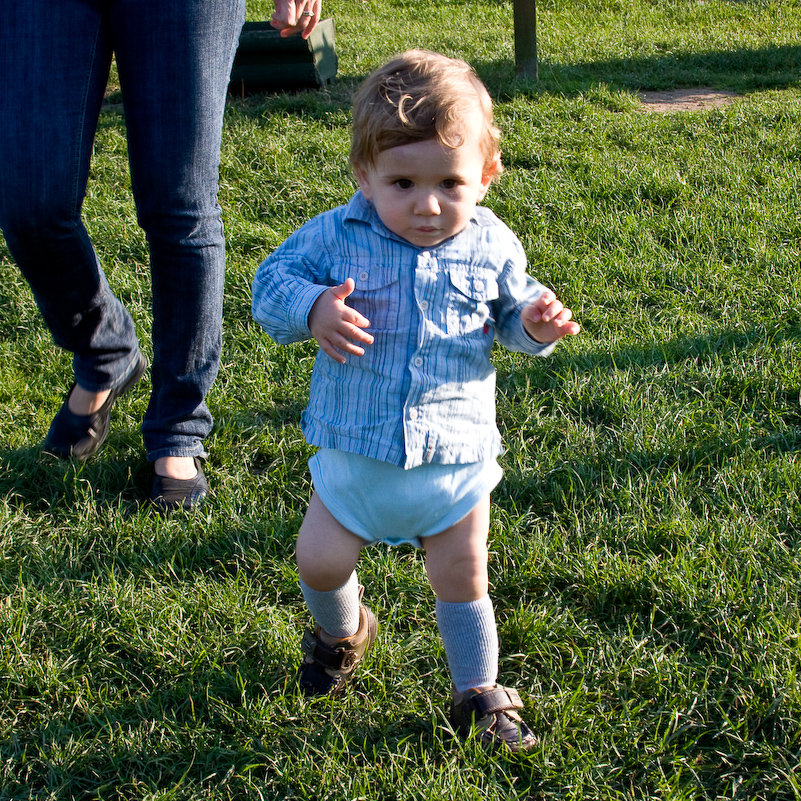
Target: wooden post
525,21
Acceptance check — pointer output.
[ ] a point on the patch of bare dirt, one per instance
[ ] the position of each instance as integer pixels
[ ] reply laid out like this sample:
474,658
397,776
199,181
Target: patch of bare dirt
696,99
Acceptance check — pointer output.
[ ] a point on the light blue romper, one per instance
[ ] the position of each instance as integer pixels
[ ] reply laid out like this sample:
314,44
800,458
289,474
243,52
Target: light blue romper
382,502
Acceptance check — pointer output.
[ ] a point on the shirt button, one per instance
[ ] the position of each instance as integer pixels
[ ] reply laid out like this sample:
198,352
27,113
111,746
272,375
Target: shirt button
412,414
423,305
418,361
363,275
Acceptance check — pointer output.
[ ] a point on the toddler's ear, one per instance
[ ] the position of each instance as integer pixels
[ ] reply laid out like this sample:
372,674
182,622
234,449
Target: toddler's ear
363,177
489,173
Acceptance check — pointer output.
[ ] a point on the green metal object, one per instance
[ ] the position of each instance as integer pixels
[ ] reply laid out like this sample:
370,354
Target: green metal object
267,62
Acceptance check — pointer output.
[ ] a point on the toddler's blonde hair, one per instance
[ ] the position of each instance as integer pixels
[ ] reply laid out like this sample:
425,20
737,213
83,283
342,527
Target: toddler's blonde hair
417,96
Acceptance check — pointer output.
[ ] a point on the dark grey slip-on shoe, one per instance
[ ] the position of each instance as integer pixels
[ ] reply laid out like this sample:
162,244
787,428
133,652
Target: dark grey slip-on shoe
168,494
80,435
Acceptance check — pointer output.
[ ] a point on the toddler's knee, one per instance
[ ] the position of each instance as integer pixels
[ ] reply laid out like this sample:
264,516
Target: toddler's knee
463,577
320,576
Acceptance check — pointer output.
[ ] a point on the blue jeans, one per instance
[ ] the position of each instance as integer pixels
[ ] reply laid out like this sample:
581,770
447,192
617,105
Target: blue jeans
174,58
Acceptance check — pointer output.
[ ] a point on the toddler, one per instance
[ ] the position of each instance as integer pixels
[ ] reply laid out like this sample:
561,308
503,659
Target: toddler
405,289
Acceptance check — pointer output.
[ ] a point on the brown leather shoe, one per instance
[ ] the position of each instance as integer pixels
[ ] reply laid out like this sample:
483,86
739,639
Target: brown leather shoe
326,669
490,715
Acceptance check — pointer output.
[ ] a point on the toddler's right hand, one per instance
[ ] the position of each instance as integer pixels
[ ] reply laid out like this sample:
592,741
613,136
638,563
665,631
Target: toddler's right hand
335,325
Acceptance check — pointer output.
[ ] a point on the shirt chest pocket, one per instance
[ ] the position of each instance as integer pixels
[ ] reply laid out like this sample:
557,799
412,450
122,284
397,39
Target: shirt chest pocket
469,301
376,293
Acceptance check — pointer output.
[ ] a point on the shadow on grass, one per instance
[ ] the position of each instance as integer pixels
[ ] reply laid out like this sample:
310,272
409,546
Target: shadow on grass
682,349
742,69
177,732
67,536
198,738
40,482
612,477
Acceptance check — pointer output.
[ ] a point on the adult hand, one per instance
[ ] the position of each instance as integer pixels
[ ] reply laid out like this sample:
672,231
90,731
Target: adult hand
335,325
296,16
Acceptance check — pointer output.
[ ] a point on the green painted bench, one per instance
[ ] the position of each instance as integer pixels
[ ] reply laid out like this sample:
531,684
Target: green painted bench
267,62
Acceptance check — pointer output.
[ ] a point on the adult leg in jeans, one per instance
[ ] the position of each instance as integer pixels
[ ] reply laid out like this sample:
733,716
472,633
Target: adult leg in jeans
54,60
174,60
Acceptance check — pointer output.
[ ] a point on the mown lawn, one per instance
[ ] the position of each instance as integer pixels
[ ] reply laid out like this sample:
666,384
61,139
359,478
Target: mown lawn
645,540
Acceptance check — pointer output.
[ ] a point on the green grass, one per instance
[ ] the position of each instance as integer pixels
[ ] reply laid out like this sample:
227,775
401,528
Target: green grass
645,540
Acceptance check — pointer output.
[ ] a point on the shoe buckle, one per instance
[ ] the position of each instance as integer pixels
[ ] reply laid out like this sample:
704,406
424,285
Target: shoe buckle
329,658
490,702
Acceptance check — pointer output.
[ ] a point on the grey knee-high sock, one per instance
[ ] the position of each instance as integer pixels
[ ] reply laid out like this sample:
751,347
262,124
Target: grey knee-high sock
335,611
471,642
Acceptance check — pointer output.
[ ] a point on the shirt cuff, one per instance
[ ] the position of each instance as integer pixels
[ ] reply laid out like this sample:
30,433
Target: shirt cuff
523,341
301,307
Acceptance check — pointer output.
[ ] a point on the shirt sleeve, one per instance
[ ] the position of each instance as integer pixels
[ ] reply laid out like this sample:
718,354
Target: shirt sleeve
516,290
286,285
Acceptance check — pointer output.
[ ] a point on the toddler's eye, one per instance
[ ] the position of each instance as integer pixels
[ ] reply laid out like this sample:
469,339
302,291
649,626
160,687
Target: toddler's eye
403,183
450,183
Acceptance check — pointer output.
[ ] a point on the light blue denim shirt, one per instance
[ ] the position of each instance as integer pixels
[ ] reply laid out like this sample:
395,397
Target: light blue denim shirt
424,391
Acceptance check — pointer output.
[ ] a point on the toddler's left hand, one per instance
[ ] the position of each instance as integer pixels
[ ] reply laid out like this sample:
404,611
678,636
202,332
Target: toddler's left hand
547,320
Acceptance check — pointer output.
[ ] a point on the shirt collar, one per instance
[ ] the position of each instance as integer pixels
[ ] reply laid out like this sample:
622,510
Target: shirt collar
360,209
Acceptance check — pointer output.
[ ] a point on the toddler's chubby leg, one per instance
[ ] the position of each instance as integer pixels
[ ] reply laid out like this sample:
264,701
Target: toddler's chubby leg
345,629
326,552
456,561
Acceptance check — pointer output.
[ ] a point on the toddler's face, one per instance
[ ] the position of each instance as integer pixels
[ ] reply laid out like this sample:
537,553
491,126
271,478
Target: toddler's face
426,192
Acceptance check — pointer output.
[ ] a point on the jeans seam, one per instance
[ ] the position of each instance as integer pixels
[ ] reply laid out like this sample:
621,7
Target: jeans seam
76,189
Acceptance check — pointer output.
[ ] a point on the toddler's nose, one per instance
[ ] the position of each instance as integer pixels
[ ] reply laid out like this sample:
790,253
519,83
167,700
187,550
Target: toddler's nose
428,204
